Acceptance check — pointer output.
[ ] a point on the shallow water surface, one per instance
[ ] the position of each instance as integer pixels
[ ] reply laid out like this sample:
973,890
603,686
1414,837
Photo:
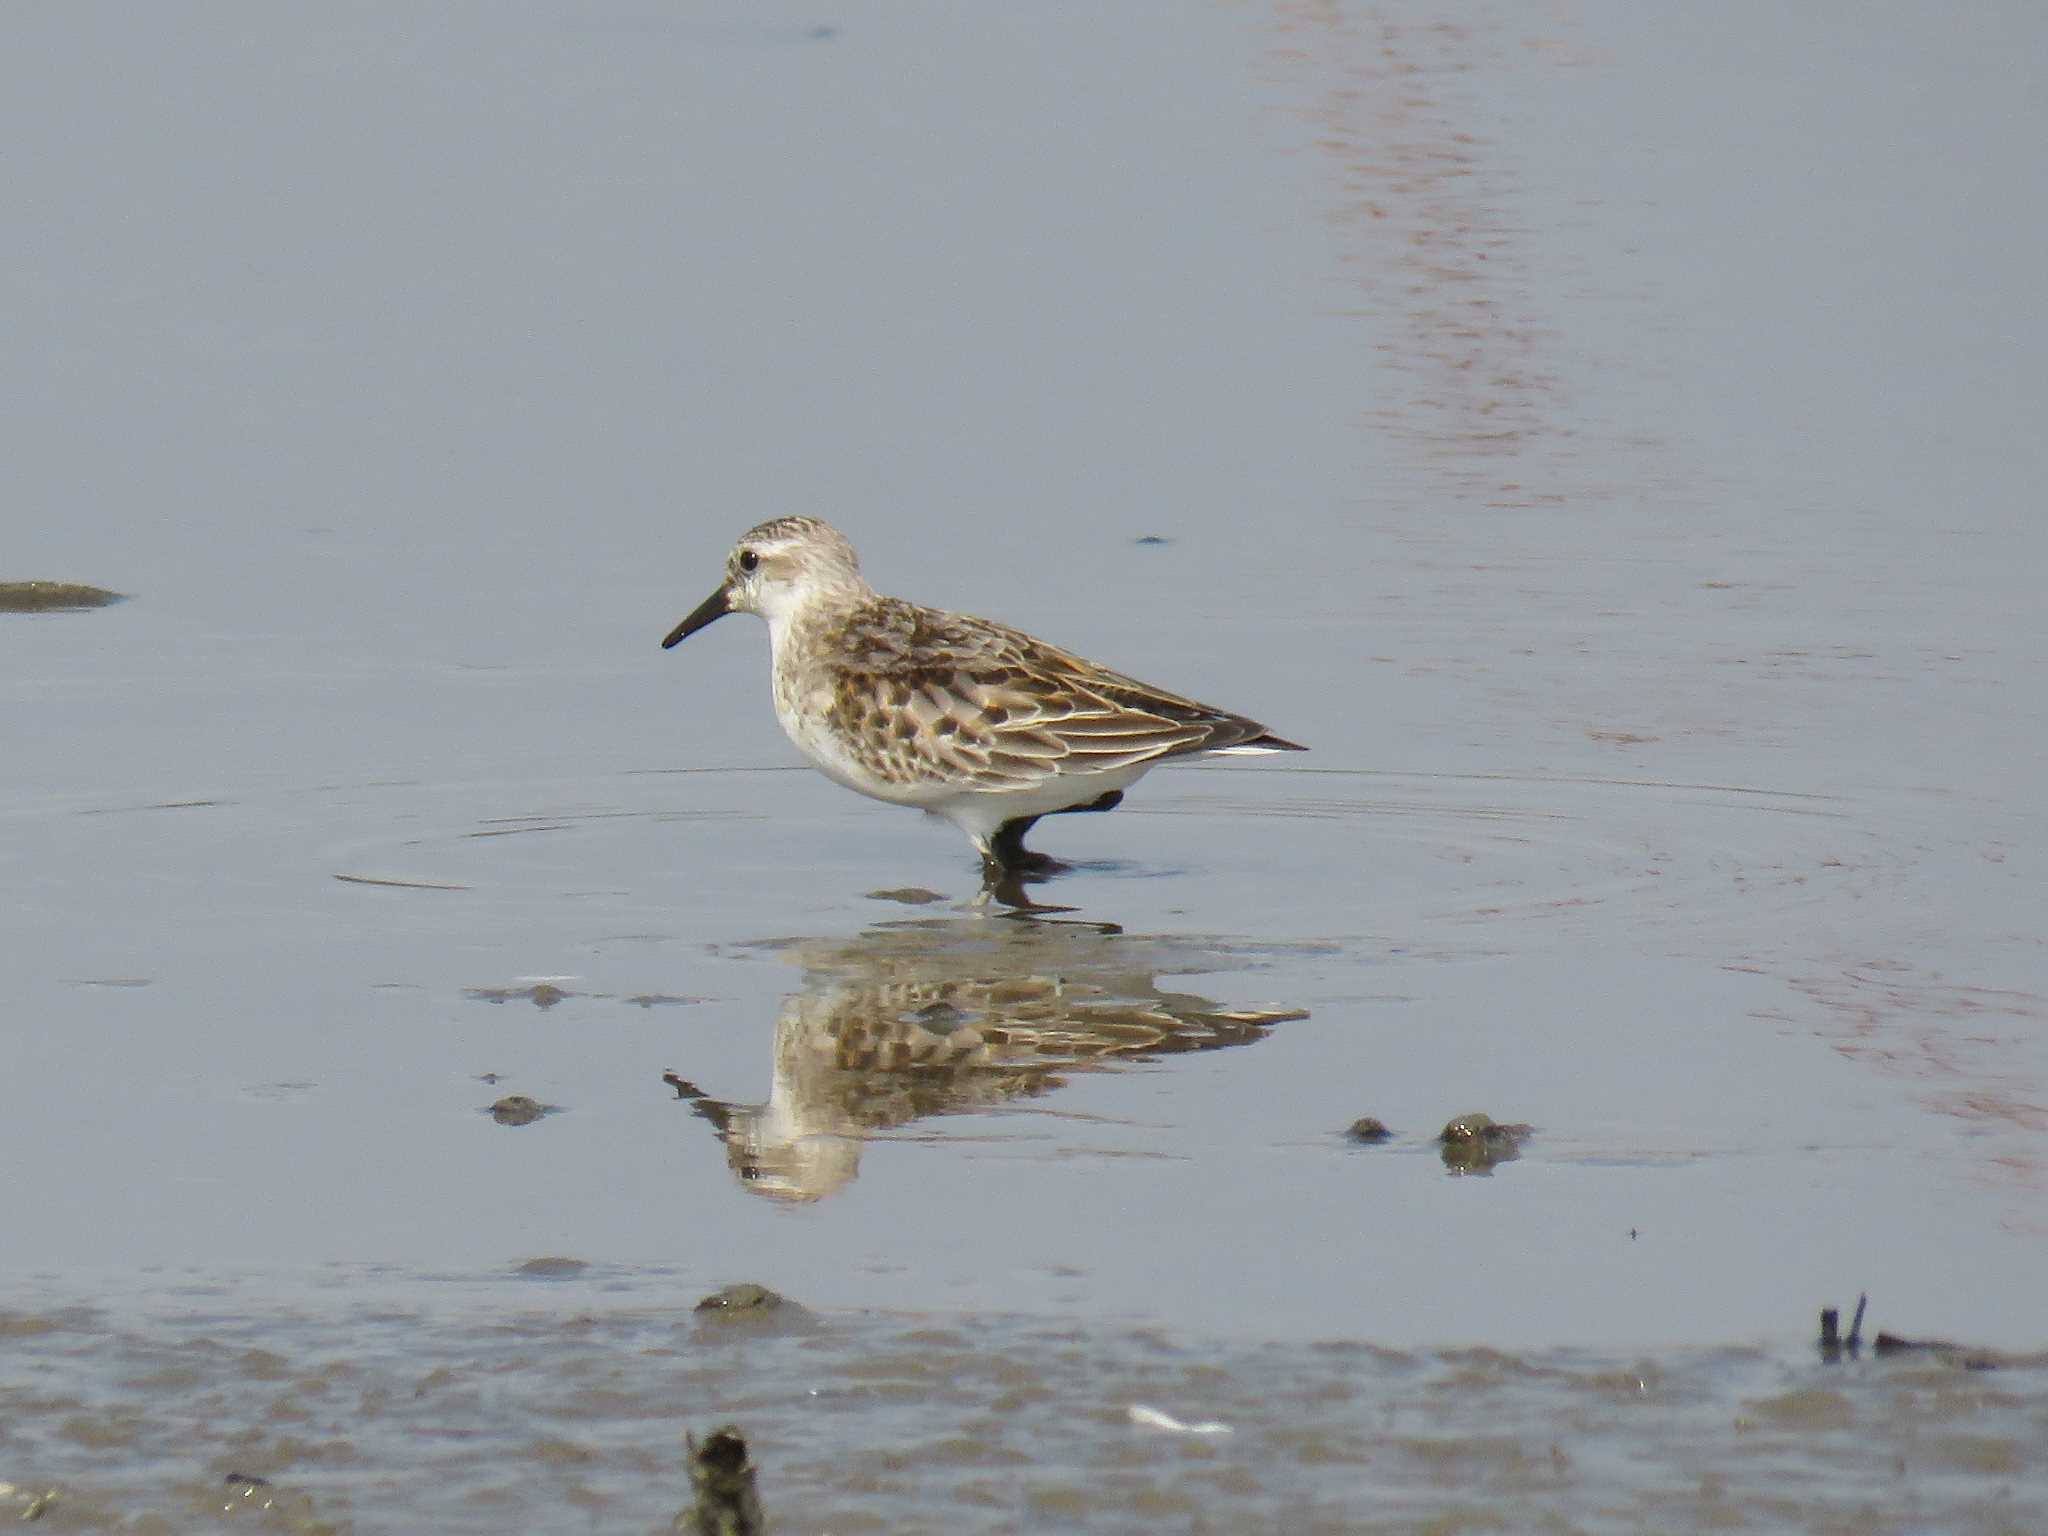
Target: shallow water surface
1609,440
561,1412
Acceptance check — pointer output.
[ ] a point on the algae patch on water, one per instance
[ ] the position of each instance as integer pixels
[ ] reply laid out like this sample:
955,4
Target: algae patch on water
53,596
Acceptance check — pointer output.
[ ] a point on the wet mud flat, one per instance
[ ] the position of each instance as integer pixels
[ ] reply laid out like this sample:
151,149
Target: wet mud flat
380,902
572,1416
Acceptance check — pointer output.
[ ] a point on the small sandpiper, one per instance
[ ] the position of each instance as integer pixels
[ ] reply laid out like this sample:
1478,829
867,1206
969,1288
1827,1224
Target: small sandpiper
957,716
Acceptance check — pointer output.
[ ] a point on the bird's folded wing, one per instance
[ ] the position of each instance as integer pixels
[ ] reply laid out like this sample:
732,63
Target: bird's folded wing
1011,722
925,697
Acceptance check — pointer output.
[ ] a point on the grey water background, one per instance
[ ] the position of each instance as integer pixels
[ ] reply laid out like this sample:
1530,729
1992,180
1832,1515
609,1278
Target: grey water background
1610,437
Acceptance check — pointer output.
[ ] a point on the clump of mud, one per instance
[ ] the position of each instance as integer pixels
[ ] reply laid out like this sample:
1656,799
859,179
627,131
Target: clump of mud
1474,1142
53,597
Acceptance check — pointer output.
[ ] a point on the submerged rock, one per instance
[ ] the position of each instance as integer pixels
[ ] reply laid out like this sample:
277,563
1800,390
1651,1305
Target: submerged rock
1473,1143
518,1109
543,995
907,895
745,1298
552,1267
1368,1131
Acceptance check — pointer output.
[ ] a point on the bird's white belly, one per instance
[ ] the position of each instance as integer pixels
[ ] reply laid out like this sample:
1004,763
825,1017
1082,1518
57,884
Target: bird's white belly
805,723
976,811
979,813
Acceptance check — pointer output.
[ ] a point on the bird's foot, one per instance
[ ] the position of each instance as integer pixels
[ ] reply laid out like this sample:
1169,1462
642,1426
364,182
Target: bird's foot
1006,857
1025,864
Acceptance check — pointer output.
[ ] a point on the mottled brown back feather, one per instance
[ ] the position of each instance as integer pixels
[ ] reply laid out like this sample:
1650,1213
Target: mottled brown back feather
991,705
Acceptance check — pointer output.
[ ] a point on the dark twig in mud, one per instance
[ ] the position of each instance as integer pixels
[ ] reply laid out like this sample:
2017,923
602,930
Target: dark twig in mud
1892,1344
722,1480
1831,1341
1833,1346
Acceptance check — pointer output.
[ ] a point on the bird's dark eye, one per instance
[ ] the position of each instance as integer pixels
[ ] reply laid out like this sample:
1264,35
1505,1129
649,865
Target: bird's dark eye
749,560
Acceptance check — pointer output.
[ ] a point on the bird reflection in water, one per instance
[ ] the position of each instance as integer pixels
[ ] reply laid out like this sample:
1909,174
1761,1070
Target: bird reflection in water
947,1016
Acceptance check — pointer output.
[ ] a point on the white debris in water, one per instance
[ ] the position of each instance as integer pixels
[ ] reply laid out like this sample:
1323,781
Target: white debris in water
1152,1418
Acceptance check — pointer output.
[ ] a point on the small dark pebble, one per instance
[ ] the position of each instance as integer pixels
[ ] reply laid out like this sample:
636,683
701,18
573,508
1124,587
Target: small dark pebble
246,1479
518,1109
1368,1131
1151,541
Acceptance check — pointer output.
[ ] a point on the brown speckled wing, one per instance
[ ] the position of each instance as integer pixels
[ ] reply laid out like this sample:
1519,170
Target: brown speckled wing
922,696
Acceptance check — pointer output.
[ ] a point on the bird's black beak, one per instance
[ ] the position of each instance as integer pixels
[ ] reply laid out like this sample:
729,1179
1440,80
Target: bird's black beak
716,606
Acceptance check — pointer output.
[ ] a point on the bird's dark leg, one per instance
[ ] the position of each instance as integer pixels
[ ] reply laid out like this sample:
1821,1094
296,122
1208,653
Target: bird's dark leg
1007,853
1103,802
